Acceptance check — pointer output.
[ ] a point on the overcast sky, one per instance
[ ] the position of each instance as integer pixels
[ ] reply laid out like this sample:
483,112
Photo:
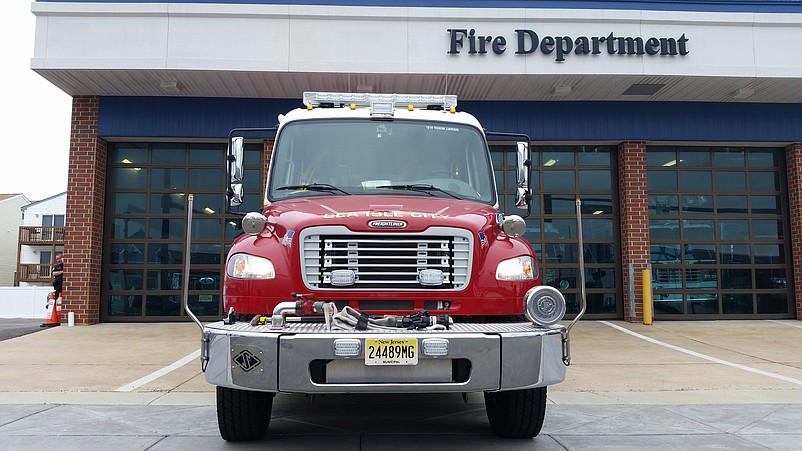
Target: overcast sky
34,114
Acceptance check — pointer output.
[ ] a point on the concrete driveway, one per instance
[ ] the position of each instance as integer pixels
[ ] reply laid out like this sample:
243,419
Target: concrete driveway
612,362
673,385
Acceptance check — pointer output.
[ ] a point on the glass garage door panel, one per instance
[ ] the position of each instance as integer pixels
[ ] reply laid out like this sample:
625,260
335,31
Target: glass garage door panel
717,228
560,174
144,255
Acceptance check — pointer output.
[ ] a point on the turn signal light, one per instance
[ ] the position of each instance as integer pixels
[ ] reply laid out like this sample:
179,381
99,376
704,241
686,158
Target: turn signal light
347,347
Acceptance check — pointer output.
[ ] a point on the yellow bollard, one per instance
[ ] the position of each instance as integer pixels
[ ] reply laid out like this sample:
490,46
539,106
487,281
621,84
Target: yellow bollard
647,297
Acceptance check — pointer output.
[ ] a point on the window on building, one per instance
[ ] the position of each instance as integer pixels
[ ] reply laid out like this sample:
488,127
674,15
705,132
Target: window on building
560,175
53,220
52,227
718,228
146,225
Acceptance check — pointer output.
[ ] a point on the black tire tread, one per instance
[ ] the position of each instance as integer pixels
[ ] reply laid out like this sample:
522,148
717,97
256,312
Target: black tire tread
243,415
516,414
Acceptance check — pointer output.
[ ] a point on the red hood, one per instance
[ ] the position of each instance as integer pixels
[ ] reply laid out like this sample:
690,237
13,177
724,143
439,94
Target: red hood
375,213
280,243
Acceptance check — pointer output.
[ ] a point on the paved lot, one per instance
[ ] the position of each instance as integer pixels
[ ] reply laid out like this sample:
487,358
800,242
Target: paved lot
11,328
700,385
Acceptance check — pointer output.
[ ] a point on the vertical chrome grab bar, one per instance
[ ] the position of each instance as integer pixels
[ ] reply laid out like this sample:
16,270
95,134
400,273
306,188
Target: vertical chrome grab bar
582,295
185,293
566,340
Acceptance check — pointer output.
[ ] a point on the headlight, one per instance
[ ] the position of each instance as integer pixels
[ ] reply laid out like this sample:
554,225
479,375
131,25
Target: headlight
519,268
544,305
244,266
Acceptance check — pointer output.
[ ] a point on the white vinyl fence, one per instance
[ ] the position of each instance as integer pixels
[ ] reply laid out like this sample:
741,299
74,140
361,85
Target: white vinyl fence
24,302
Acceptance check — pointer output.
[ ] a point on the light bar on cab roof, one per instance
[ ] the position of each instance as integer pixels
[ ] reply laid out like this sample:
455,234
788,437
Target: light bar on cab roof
315,99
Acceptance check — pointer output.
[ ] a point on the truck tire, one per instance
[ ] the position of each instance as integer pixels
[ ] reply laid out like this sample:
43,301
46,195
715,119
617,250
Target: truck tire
516,413
243,415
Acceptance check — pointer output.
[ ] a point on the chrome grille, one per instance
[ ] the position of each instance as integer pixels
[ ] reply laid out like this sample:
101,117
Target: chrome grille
385,261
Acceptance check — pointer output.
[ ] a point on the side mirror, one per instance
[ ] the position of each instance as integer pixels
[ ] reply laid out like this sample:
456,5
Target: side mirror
522,167
235,194
235,162
236,155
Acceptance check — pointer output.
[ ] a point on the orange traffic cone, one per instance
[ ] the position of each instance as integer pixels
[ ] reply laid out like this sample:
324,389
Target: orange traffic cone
55,314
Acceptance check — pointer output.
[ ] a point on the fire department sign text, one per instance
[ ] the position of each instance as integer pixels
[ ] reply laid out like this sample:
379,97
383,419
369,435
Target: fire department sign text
528,42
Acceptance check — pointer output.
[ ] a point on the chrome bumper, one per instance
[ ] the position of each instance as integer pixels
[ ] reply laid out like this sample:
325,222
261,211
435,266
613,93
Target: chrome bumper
300,358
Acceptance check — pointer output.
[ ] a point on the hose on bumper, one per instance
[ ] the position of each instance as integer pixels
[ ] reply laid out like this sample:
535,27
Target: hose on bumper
350,319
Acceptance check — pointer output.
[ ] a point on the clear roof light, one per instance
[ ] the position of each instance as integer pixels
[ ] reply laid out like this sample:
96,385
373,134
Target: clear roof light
446,102
381,109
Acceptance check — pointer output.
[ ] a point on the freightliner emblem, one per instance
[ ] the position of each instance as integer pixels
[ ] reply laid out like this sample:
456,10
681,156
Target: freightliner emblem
247,360
387,224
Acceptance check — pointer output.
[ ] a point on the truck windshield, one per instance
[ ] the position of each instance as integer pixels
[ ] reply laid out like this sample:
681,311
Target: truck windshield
379,157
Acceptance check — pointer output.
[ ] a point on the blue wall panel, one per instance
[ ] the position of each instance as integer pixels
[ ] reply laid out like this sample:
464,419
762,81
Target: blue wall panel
765,6
654,121
186,117
189,117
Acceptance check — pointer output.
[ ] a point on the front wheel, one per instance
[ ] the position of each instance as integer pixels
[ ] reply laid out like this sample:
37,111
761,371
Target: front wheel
516,413
243,415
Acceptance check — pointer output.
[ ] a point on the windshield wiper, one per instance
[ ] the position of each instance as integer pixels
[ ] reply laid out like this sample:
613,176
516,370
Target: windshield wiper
422,187
325,187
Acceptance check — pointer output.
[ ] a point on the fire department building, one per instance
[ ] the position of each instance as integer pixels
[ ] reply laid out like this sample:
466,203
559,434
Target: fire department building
678,125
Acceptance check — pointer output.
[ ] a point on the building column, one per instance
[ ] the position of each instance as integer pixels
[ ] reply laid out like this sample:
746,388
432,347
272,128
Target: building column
793,155
634,210
83,231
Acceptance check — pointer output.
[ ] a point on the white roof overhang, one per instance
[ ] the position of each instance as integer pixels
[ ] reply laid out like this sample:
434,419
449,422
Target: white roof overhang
280,51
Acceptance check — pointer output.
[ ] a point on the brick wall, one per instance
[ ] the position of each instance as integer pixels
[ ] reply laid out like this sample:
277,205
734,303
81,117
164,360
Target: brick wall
634,211
83,232
794,171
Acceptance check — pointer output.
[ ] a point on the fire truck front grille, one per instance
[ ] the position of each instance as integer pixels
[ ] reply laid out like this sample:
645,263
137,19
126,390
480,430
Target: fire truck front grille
335,258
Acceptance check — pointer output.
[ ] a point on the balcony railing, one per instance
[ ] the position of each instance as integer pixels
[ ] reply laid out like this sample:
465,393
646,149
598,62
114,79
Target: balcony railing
41,235
30,272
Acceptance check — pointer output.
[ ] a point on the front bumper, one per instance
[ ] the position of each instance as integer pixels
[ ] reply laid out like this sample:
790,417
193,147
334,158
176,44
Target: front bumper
300,358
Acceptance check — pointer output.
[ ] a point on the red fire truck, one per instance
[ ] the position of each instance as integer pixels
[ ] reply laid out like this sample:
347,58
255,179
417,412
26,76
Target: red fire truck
380,263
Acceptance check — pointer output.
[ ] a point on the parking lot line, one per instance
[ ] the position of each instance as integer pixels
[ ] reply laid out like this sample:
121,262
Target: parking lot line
159,373
703,356
784,323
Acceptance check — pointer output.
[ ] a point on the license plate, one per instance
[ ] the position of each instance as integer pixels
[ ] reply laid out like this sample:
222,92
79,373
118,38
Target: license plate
391,351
